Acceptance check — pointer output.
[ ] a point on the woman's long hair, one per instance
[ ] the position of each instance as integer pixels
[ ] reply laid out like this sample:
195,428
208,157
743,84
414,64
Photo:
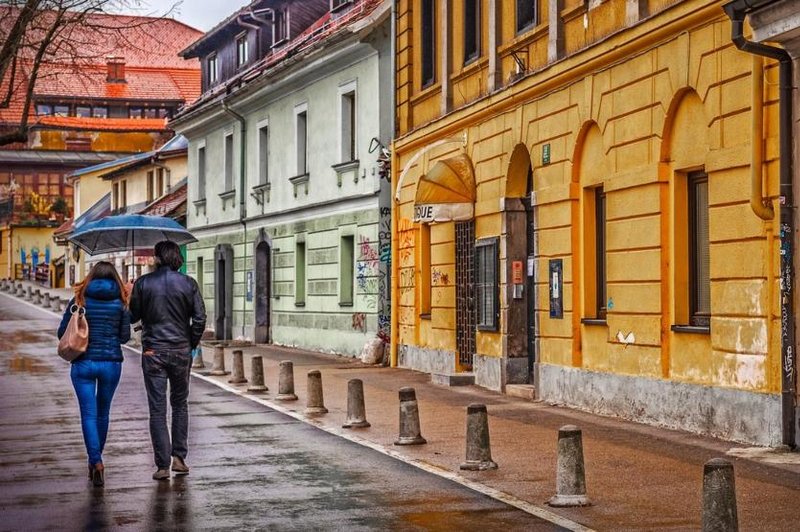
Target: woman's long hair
101,270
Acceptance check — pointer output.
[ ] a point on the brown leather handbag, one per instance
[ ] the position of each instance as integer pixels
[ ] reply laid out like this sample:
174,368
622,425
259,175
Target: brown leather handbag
76,338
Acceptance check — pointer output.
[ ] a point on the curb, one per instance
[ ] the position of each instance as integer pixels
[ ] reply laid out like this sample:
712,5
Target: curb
498,495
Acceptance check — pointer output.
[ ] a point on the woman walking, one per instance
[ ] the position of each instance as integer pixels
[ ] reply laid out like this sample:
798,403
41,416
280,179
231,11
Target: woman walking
95,374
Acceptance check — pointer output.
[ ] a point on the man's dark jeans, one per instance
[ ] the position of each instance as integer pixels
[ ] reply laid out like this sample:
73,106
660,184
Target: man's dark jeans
160,368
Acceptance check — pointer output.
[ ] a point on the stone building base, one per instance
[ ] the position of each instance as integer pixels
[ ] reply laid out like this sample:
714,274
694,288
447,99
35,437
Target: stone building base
735,415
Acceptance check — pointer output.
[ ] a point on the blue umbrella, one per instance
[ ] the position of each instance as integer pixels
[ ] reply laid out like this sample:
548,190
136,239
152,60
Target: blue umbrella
127,232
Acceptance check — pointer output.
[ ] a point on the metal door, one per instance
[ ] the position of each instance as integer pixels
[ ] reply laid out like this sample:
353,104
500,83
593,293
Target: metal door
466,319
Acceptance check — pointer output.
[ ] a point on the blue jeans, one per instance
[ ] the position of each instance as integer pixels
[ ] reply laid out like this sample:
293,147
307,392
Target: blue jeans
95,383
160,369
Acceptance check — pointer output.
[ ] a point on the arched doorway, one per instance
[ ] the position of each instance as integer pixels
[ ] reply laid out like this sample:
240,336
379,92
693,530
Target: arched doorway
520,269
223,292
263,254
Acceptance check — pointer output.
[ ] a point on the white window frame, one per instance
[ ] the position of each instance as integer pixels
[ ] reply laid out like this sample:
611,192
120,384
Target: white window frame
212,65
228,181
298,110
344,133
243,58
201,180
263,153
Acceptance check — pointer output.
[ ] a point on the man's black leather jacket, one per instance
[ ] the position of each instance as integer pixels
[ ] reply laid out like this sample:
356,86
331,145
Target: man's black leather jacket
171,310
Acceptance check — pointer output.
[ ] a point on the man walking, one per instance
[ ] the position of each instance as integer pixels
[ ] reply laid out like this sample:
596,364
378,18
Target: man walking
173,317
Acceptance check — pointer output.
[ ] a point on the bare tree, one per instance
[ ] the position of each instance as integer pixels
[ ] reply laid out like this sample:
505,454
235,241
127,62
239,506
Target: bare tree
52,38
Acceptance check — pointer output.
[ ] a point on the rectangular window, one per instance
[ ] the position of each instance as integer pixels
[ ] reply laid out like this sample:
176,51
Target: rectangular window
213,71
61,110
228,163
115,195
348,126
199,275
699,251
300,274
150,186
600,252
123,193
428,47
263,155
336,4
100,112
201,173
302,143
135,112
160,190
242,50
425,272
280,27
346,262
44,110
472,30
526,15
83,111
150,112
487,286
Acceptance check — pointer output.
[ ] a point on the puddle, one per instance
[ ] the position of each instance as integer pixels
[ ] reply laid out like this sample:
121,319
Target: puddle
24,364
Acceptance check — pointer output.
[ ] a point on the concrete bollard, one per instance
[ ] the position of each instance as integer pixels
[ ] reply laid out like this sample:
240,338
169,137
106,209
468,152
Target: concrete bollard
197,361
20,291
719,497
238,368
37,297
410,433
257,376
286,382
315,404
46,300
570,471
219,361
479,453
54,303
356,411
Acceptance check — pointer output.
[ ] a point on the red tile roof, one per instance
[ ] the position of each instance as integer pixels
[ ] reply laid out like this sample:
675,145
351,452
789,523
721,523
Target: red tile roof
172,204
149,47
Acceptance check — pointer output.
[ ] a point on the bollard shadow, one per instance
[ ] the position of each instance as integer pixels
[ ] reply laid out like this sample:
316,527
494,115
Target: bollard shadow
96,511
170,506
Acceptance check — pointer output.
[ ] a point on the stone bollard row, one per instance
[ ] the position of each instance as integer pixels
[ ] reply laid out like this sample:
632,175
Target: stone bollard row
28,293
356,411
20,291
410,433
479,453
719,497
315,405
570,470
218,368
257,376
238,368
286,382
46,300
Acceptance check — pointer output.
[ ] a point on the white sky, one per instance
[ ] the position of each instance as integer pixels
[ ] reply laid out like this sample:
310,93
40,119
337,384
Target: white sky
200,14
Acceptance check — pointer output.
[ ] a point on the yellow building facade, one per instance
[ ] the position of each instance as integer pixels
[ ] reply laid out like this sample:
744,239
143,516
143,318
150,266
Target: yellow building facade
573,208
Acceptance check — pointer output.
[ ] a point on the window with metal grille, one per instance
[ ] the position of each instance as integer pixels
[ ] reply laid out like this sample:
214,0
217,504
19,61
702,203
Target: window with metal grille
428,36
472,30
526,15
600,251
699,251
487,284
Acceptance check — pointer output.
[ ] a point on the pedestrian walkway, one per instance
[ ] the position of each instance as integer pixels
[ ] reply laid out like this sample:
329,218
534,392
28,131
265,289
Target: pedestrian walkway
637,476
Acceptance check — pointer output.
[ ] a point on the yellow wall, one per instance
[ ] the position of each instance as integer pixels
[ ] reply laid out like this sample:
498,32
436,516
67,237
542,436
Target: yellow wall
633,113
136,178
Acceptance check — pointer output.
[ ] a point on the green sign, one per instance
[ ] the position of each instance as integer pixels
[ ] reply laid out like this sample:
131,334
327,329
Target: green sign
546,154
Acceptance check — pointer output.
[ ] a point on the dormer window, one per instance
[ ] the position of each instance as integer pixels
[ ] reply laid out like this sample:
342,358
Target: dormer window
213,70
280,30
242,50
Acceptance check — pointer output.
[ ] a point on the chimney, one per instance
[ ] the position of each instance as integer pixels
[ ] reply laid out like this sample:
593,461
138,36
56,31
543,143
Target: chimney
116,69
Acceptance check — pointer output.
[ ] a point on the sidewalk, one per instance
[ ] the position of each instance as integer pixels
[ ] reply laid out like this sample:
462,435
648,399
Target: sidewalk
638,477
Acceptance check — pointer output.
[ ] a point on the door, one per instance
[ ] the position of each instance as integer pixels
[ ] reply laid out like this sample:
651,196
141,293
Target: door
530,285
263,283
223,296
466,319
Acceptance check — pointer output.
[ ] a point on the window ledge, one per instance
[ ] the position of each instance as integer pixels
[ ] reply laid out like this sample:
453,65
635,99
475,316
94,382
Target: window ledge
263,187
300,304
299,179
227,195
691,329
594,321
345,166
280,42
425,316
345,303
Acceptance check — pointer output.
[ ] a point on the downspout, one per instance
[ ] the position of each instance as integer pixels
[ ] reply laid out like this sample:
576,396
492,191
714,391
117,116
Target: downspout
394,306
242,198
761,207
736,11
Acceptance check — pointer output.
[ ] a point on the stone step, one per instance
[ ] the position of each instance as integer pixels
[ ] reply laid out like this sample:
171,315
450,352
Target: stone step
453,379
523,391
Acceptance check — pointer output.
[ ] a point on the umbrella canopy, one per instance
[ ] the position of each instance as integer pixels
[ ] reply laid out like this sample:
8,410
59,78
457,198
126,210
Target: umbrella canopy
127,232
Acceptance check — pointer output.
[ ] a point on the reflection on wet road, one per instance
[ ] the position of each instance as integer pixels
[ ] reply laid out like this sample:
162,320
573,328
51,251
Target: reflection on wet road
252,468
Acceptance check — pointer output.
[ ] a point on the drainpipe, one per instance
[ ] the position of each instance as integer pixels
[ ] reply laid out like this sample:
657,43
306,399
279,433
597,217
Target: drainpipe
242,197
737,11
761,207
394,307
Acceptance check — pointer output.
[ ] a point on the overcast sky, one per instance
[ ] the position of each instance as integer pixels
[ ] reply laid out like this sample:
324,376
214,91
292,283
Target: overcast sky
200,14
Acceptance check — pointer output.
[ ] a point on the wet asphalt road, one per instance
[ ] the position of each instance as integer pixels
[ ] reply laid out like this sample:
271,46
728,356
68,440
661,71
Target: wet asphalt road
252,468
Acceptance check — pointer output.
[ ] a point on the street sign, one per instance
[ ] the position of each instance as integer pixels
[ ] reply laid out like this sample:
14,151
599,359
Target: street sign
546,154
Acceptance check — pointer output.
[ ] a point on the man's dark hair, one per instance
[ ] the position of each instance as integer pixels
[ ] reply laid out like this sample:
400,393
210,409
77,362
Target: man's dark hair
169,254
